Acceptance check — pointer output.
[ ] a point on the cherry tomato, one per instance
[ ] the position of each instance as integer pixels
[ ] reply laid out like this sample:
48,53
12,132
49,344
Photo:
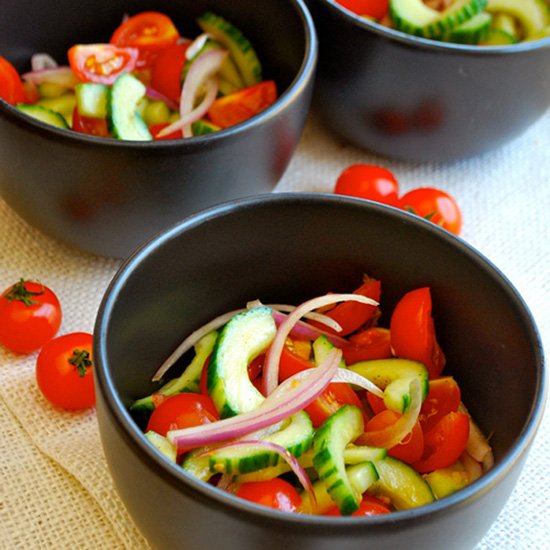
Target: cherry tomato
64,371
371,343
443,397
241,105
150,32
434,205
166,72
30,315
292,361
376,403
101,63
371,8
367,181
155,128
370,506
411,448
11,87
412,331
444,443
274,493
89,125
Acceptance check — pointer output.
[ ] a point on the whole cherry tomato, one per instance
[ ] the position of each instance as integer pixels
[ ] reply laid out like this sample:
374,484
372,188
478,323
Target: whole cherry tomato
434,205
30,315
274,493
11,87
64,371
376,9
370,506
367,181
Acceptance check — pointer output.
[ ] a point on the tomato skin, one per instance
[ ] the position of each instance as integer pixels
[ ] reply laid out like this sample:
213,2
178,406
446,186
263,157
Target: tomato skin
370,506
11,87
101,63
434,205
26,328
166,72
241,105
412,331
291,363
443,397
444,443
89,125
371,8
370,182
274,493
411,448
59,380
371,343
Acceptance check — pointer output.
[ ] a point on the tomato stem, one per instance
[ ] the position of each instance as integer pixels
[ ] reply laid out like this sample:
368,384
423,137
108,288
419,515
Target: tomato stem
81,360
19,292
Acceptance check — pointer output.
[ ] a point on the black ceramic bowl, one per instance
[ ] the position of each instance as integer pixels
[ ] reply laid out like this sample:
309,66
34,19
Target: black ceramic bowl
289,247
108,196
416,99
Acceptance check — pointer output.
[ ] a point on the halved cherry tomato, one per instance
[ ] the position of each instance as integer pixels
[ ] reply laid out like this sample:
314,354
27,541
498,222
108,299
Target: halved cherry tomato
412,331
367,181
64,371
443,397
353,315
89,125
166,72
370,506
241,105
435,205
444,443
371,343
274,493
292,361
30,315
411,448
371,8
11,87
150,32
155,128
376,403
101,63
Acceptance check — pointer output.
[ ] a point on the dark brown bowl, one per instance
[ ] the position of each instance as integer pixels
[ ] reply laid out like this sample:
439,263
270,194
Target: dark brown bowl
289,247
107,196
416,99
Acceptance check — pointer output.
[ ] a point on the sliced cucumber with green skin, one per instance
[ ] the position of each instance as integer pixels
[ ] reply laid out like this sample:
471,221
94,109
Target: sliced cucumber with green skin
44,115
361,477
196,463
240,48
202,127
533,15
162,444
91,99
49,90
244,337
394,376
329,443
122,109
402,484
355,454
472,32
322,346
295,437
507,23
447,481
189,380
496,37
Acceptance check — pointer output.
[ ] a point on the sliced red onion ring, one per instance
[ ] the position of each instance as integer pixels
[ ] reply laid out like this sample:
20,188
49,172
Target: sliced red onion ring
41,61
392,435
291,396
478,446
196,45
63,76
288,457
156,95
271,366
314,315
345,375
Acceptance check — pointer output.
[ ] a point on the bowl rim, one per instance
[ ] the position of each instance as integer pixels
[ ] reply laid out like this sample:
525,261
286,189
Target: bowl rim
221,500
428,44
300,82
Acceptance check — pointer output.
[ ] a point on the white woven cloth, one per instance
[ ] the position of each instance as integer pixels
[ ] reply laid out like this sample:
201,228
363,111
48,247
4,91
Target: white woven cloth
55,489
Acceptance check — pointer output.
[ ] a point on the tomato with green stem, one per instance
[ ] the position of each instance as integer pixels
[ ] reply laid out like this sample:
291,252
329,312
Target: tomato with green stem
412,331
166,72
64,371
367,181
275,493
370,506
30,315
434,205
11,87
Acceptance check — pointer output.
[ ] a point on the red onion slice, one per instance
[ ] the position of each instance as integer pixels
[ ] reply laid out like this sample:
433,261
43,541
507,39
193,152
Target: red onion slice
41,61
156,95
344,375
196,45
63,76
291,396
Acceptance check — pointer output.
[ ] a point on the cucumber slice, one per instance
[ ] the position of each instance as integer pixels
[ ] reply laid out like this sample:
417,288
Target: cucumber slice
402,484
162,444
91,99
44,115
322,346
123,119
244,337
202,127
240,48
295,437
496,37
355,454
189,380
48,90
533,15
507,23
329,443
473,31
394,376
156,112
63,104
447,481
197,465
